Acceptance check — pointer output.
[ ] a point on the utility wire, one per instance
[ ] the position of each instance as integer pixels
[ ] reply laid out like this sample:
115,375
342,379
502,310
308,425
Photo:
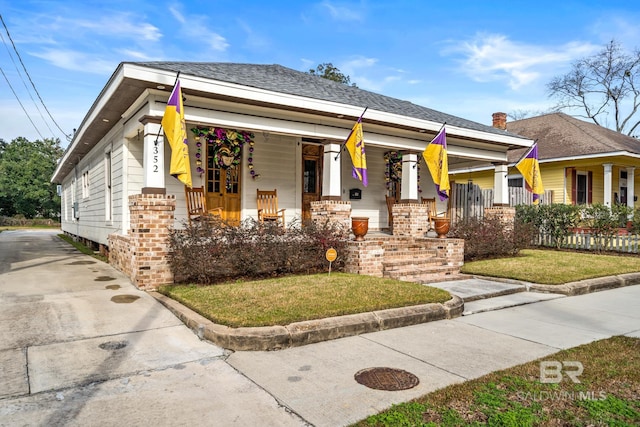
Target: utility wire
25,85
19,102
32,84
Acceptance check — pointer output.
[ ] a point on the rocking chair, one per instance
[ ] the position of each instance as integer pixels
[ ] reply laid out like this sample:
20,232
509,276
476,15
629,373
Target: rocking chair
267,201
197,205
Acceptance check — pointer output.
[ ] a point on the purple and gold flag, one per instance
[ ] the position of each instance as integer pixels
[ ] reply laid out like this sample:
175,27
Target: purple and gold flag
530,170
355,146
435,155
176,131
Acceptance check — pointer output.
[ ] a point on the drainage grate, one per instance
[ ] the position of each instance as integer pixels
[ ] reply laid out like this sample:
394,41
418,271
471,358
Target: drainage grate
388,379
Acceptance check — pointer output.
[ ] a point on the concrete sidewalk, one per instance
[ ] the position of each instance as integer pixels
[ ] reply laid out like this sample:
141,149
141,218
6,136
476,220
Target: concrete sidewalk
317,381
79,345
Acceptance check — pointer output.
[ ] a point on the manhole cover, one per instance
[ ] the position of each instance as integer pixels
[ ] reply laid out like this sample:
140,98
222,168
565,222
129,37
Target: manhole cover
104,278
386,379
124,299
113,345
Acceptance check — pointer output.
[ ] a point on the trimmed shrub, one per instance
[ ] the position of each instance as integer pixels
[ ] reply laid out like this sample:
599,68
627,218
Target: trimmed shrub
556,220
489,238
213,252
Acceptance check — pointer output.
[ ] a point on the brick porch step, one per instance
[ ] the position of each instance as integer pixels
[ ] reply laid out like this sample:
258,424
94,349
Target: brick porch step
425,274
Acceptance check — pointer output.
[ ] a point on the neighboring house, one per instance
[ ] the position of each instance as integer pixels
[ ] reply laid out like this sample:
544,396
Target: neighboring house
580,162
298,122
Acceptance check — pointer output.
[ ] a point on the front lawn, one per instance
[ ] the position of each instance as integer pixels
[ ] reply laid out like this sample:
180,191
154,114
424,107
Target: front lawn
285,300
608,394
553,267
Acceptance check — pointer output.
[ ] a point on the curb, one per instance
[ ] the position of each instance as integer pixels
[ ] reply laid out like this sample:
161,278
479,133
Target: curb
580,287
309,331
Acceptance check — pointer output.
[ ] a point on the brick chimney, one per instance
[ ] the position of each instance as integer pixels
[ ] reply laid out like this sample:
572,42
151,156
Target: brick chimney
500,120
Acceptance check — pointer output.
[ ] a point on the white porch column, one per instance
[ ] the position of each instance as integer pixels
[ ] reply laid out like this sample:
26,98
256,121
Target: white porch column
153,158
631,187
409,184
331,183
500,185
607,183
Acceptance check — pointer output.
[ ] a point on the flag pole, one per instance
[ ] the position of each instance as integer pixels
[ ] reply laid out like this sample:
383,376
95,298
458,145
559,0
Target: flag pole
160,130
438,133
345,141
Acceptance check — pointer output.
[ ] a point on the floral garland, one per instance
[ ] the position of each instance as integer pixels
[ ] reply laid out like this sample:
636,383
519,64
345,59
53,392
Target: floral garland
393,169
227,150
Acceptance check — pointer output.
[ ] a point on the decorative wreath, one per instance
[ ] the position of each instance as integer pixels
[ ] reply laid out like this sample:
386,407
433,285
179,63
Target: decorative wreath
227,148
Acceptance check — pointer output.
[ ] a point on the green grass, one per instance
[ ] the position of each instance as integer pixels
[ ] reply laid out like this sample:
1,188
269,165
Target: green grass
284,300
608,394
82,248
553,267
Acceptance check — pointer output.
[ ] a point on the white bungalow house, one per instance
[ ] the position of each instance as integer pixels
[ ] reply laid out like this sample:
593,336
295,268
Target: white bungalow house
297,122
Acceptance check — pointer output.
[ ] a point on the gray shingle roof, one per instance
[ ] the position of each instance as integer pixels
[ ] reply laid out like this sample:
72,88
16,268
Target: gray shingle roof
560,135
277,78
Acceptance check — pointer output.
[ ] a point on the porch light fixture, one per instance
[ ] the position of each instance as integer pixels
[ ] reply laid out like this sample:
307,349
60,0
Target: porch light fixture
161,87
105,120
340,116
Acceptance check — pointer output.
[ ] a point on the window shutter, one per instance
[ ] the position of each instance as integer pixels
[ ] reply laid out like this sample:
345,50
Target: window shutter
574,186
590,185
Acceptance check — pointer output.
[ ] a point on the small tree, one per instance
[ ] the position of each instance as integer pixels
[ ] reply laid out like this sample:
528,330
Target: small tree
329,72
25,172
604,222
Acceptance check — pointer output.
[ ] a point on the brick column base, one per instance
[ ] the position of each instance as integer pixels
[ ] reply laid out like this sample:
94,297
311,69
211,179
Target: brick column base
365,258
337,212
143,253
506,215
410,219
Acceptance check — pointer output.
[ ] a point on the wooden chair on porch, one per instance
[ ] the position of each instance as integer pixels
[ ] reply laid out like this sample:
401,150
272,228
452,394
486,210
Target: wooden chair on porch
391,200
267,201
431,209
197,205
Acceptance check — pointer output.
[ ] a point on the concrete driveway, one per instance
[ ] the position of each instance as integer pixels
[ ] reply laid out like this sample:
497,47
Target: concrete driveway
79,345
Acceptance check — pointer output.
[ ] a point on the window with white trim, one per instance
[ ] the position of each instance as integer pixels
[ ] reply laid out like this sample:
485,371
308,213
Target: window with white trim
582,188
108,209
516,181
85,184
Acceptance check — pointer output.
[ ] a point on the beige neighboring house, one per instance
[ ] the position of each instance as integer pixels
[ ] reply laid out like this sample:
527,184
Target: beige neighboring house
580,162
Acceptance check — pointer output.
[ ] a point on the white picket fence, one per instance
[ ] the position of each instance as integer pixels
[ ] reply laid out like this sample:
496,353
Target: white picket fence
627,243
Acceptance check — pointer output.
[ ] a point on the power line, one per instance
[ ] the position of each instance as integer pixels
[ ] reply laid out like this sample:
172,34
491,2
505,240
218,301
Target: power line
25,86
30,80
19,102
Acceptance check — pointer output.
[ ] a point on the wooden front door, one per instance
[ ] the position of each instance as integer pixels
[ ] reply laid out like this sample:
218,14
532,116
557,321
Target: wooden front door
311,177
223,188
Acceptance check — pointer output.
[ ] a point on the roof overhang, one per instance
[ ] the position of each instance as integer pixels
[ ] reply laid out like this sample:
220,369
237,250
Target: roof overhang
130,81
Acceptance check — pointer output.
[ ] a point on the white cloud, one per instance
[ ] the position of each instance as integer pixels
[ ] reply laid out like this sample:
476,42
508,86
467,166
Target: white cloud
76,61
197,27
491,57
343,12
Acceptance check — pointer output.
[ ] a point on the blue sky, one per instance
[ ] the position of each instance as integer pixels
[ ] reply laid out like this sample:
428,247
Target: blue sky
466,58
